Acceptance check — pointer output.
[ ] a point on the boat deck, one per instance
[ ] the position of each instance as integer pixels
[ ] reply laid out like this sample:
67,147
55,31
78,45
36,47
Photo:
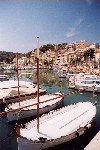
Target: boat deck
53,97
61,123
11,95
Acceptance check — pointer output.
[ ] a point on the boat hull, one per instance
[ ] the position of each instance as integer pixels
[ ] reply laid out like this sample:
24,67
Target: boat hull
57,127
14,116
86,88
24,144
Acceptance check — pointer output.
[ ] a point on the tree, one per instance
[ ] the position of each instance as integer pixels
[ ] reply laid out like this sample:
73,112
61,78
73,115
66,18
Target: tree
72,61
47,47
9,59
89,53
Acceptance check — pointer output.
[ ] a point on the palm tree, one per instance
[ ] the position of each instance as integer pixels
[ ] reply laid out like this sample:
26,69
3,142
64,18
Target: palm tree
89,53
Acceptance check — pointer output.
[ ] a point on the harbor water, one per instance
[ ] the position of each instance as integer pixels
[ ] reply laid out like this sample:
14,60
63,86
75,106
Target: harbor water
52,83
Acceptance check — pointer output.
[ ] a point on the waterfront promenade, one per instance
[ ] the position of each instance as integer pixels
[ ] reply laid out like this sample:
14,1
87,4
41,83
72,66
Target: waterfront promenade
94,143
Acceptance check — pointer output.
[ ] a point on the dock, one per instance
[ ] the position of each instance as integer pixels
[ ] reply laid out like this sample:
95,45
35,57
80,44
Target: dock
94,143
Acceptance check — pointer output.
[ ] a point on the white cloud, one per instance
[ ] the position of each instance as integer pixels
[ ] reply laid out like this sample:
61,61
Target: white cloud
79,22
73,31
89,25
89,1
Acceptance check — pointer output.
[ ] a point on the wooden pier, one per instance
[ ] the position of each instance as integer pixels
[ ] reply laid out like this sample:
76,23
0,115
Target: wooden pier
94,143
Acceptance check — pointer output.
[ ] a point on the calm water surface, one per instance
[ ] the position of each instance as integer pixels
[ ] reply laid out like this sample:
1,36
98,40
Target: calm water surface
51,82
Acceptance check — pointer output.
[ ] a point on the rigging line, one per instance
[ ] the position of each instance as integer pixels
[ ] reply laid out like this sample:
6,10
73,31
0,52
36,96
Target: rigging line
7,137
14,110
3,113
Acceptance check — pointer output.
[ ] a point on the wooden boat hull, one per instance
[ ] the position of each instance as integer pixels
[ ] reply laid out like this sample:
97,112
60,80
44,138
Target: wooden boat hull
57,127
24,144
15,98
13,116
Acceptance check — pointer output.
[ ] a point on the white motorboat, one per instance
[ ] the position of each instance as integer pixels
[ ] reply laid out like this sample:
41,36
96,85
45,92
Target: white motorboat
85,82
47,103
89,84
57,127
4,78
14,83
9,90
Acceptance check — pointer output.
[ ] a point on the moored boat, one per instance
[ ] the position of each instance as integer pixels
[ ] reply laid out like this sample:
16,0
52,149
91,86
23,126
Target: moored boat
9,91
85,82
47,103
57,127
4,78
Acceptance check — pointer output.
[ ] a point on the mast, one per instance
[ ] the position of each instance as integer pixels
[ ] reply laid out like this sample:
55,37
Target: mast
38,84
93,94
99,66
18,78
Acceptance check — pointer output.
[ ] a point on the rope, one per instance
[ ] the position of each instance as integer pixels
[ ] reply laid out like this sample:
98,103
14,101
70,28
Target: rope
11,133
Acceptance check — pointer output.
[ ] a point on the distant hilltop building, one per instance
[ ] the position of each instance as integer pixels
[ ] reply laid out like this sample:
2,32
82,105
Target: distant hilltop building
61,54
82,44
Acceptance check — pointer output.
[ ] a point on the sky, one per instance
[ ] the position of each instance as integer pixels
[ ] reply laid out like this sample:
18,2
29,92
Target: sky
54,21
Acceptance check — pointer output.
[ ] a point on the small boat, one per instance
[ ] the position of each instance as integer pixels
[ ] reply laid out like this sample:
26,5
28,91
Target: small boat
57,127
61,74
89,84
85,82
14,83
45,106
4,78
9,91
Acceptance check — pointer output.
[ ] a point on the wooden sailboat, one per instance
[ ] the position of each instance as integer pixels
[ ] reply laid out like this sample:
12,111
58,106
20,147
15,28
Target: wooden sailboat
27,108
57,127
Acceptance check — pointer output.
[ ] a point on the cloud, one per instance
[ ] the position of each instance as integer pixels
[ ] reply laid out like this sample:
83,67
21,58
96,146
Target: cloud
79,22
89,25
73,31
89,1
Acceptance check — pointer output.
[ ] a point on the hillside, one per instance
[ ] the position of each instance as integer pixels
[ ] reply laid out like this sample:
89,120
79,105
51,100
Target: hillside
7,57
48,47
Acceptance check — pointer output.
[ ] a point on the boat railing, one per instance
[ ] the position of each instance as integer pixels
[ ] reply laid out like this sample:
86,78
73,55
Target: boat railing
23,107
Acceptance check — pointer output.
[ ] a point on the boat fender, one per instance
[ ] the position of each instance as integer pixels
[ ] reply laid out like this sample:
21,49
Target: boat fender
86,128
89,125
51,139
95,103
23,125
77,134
42,139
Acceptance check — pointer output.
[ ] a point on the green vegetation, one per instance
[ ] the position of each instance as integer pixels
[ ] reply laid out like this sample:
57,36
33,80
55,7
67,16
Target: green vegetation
47,47
89,53
8,57
28,54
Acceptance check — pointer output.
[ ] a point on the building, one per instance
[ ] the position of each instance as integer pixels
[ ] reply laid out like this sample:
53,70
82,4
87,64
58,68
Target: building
82,44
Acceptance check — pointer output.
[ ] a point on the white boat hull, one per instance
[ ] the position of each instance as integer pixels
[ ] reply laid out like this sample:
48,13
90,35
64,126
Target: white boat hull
13,116
57,127
86,88
85,82
24,144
